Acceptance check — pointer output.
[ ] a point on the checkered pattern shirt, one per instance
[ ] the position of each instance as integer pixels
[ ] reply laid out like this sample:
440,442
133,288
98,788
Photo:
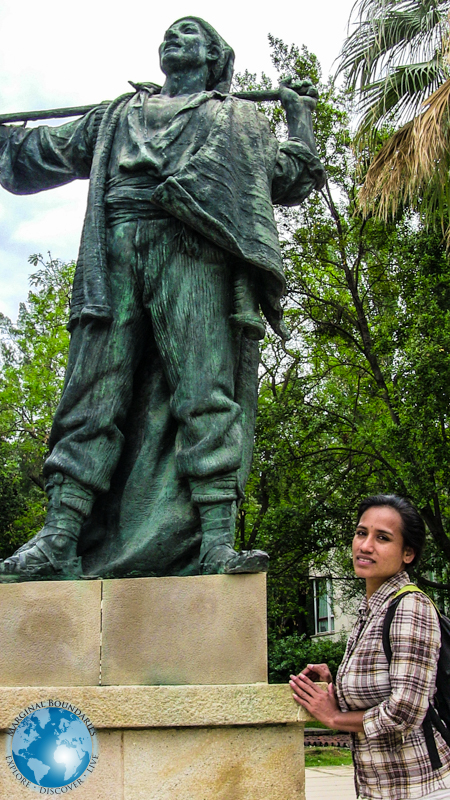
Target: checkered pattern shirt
391,758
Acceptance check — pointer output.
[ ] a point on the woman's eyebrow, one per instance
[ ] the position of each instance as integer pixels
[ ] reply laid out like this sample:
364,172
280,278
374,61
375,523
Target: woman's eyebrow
378,530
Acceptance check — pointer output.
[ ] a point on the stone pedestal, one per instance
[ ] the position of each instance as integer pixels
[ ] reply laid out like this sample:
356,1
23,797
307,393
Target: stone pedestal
172,674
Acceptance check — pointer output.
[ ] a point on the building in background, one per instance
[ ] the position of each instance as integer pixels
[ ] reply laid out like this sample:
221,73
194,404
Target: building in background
334,608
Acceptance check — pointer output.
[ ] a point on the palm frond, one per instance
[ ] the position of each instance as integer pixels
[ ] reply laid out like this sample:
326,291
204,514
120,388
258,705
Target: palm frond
400,96
387,177
413,165
388,33
379,7
431,131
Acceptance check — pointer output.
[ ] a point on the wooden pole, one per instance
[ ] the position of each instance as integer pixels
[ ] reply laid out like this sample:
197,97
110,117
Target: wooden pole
260,96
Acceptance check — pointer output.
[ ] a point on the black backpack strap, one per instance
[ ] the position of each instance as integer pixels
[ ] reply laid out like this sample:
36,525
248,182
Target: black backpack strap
431,717
430,741
438,724
389,616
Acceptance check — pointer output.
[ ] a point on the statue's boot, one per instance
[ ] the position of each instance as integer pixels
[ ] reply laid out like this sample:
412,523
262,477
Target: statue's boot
217,554
52,553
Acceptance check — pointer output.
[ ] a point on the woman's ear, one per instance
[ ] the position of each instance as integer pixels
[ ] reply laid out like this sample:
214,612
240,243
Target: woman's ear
408,555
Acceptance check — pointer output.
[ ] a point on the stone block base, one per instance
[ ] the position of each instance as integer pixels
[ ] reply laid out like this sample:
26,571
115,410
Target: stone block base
235,763
179,742
205,629
171,672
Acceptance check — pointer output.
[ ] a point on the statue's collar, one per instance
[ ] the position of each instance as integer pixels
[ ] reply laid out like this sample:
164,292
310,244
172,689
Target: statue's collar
154,88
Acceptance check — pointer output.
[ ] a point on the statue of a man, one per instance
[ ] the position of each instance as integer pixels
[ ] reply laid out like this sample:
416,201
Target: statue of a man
151,443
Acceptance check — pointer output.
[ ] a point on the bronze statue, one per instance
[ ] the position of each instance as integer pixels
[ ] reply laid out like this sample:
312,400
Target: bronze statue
151,443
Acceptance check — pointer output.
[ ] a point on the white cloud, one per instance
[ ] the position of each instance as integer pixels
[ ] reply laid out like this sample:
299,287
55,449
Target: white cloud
14,272
55,222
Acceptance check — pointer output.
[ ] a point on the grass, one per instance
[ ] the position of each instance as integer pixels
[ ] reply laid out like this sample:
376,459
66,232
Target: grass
327,757
322,728
314,724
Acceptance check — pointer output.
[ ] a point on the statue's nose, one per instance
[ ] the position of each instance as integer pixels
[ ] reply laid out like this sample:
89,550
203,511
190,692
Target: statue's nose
172,38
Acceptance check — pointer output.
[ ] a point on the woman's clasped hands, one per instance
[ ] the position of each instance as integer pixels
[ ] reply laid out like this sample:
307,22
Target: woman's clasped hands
319,703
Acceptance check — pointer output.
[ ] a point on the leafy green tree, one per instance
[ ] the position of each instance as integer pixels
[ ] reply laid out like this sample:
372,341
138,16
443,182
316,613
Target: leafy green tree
12,502
357,400
33,354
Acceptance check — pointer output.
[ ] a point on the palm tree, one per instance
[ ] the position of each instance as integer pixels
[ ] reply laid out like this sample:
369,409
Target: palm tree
397,59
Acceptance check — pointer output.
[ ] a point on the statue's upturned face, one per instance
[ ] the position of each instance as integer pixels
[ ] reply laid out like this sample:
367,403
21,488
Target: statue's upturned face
184,47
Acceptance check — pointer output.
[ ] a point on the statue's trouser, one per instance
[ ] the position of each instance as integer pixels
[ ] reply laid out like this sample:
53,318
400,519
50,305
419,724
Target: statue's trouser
166,279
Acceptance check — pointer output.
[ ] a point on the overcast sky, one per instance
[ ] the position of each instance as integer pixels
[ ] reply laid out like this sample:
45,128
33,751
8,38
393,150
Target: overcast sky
57,53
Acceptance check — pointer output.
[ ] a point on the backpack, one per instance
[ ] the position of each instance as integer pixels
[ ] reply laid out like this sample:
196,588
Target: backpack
438,714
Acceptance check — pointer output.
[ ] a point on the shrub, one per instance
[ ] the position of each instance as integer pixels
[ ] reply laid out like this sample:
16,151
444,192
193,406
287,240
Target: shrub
291,654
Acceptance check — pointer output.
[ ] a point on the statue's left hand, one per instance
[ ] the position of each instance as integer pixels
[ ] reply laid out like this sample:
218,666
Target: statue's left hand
297,94
298,110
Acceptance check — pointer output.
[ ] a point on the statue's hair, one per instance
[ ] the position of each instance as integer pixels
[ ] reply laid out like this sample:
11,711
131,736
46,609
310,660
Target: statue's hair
221,68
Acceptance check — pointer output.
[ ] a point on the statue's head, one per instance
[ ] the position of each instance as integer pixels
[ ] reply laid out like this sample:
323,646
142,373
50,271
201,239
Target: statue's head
191,41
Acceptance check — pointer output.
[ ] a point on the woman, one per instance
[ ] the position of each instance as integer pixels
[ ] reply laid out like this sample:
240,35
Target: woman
383,706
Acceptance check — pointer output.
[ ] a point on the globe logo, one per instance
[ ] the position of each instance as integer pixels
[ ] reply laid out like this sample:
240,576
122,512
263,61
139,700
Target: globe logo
52,748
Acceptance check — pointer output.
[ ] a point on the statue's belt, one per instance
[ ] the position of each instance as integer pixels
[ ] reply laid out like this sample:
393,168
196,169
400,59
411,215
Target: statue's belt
126,204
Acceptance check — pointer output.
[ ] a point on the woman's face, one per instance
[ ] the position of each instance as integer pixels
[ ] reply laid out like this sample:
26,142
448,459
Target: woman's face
378,548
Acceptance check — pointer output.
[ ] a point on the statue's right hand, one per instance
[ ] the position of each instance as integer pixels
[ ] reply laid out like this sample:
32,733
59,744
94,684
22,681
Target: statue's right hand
318,672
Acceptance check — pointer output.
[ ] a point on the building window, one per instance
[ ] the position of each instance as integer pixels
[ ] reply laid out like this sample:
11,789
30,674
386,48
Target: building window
323,605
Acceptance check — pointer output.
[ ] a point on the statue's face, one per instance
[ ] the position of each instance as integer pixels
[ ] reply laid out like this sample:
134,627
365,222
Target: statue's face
184,46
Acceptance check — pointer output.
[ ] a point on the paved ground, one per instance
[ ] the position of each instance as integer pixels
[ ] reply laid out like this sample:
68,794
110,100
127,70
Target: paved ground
330,783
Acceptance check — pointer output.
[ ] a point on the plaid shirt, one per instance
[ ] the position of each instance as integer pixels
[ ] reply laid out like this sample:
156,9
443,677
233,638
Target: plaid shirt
391,758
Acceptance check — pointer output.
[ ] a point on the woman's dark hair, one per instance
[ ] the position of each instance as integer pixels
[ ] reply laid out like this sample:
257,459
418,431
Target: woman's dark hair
413,526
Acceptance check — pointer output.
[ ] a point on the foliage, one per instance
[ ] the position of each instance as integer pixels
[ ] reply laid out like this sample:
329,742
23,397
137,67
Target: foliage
357,401
289,655
397,57
11,503
33,354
